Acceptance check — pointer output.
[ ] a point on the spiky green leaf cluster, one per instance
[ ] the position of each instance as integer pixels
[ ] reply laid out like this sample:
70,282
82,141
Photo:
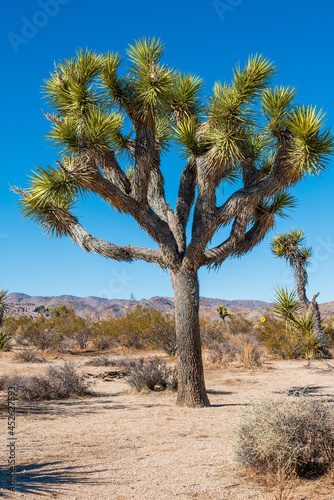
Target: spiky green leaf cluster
290,246
96,131
310,146
277,104
70,89
285,303
185,99
151,81
276,206
49,200
230,134
186,134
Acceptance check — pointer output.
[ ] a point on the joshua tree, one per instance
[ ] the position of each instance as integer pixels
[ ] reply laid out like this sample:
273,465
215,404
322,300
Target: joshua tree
3,305
223,313
244,132
290,246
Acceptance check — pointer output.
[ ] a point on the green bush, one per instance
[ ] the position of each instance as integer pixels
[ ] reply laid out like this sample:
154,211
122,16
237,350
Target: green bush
287,342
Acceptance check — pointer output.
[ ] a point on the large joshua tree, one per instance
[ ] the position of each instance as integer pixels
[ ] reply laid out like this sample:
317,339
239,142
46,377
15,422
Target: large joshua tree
290,246
244,132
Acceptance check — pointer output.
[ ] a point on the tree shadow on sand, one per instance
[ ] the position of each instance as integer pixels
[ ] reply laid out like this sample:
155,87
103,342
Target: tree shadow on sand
309,391
47,478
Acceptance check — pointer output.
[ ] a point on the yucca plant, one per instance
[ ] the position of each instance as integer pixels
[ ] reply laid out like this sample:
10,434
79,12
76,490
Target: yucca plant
5,338
290,246
114,126
3,304
299,329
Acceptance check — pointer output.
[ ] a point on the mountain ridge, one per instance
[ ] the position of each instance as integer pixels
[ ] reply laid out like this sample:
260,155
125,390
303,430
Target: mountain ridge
99,307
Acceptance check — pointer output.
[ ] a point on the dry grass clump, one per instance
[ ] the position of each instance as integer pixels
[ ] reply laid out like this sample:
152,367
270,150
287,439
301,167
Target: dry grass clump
101,361
288,435
236,349
151,374
56,383
29,356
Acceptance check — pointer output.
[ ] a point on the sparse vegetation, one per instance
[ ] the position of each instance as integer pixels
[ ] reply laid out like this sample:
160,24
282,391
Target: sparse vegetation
101,361
56,383
29,356
288,434
151,374
236,349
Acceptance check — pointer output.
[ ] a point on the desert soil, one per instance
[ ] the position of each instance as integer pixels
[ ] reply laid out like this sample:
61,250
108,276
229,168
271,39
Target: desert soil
123,445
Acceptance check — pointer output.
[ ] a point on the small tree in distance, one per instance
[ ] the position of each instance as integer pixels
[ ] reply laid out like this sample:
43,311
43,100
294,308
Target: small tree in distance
244,132
223,312
291,247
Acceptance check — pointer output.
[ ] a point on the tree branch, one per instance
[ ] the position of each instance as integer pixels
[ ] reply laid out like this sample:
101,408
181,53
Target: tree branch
112,171
216,256
121,253
185,199
144,153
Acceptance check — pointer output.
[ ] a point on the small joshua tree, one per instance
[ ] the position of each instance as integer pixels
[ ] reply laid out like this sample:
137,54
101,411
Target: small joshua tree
290,247
243,132
223,313
5,337
3,304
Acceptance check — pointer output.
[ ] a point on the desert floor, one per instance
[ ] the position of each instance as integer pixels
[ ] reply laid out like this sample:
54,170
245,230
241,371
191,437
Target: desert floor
123,445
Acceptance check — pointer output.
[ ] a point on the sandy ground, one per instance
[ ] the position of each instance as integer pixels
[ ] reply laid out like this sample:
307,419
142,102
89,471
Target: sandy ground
123,445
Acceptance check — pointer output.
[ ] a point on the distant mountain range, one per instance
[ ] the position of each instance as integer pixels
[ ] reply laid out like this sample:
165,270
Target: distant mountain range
22,304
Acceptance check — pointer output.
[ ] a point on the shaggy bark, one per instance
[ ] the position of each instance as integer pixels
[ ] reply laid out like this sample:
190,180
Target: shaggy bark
191,390
298,265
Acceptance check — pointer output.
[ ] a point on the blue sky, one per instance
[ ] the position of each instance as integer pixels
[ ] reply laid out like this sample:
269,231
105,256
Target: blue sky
202,37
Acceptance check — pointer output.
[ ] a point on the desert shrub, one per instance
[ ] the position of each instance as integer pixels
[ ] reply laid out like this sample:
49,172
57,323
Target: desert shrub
82,337
211,331
163,335
140,328
102,342
284,341
237,349
289,434
57,328
101,361
5,339
238,325
56,383
150,374
329,331
36,332
29,356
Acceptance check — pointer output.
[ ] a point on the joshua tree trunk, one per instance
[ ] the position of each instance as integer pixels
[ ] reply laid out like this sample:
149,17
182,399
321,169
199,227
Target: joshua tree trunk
192,390
319,334
310,307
